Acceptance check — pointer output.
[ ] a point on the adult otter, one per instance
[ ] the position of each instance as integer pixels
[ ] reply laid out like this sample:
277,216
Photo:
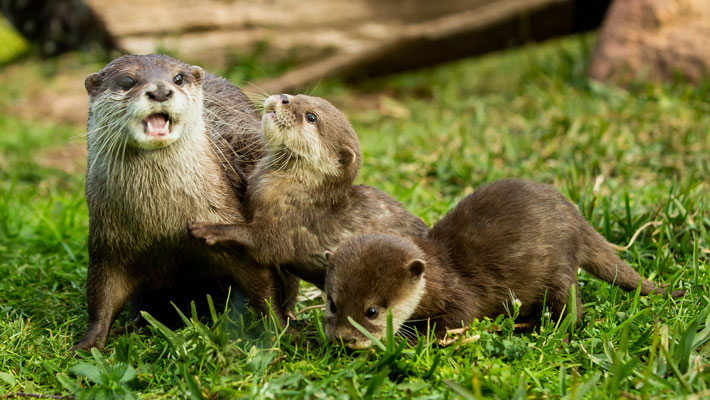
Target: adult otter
510,238
159,133
300,199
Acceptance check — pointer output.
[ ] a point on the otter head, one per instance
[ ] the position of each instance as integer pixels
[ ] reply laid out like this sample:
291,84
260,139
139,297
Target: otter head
310,134
145,101
368,276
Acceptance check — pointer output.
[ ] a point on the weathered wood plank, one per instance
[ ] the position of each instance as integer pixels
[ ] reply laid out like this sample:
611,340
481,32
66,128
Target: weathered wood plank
335,37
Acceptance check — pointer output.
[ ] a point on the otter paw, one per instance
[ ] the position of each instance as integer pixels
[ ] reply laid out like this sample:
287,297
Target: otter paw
84,345
205,231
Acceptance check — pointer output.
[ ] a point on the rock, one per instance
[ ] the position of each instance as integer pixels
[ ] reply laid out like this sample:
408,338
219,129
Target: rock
653,40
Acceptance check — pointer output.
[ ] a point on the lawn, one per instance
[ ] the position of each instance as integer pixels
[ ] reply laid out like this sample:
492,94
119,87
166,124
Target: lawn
626,157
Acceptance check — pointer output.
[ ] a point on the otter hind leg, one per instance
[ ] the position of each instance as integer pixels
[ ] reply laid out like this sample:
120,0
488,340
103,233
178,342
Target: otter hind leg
262,286
107,290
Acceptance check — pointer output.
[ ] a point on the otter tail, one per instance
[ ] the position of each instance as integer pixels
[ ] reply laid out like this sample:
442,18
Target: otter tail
600,259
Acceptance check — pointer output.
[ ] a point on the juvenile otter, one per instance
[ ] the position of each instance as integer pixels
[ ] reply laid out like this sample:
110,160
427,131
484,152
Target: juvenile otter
512,236
300,200
159,133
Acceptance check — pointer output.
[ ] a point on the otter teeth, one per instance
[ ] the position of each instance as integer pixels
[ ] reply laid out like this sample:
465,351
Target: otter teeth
157,125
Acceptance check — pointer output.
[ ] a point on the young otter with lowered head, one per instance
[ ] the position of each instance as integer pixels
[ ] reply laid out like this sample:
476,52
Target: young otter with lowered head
300,199
160,133
510,238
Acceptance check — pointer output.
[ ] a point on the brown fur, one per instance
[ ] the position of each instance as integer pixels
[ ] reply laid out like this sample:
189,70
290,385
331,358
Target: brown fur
511,238
141,201
301,200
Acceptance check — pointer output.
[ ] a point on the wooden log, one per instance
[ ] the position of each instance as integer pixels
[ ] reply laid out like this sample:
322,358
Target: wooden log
352,38
490,27
213,32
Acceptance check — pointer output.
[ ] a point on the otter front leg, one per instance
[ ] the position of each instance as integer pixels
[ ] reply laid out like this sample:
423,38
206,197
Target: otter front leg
107,290
215,233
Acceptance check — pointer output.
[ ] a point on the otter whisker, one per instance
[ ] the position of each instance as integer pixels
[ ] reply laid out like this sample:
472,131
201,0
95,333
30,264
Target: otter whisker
259,88
407,329
406,335
123,159
224,157
312,89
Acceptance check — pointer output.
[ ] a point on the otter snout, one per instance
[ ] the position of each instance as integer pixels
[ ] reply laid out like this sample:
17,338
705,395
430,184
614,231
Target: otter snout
349,336
272,101
352,342
161,93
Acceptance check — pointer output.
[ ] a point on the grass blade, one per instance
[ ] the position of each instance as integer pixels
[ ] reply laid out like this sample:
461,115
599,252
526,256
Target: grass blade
377,342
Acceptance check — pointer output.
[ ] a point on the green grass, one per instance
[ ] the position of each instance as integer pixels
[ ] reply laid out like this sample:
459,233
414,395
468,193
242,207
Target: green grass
626,157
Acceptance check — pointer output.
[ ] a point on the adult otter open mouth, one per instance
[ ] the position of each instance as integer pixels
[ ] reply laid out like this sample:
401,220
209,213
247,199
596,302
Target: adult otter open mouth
157,125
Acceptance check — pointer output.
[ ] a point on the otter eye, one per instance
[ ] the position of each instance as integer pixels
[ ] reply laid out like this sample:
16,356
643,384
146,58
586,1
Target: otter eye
126,83
371,312
331,305
178,80
310,117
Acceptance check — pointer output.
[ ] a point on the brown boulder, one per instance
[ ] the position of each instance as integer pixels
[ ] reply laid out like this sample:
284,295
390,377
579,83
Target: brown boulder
654,40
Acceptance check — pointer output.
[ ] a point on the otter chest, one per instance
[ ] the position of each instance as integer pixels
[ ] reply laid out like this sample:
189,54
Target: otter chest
155,201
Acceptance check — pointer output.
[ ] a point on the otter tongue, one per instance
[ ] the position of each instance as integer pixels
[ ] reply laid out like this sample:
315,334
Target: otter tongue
155,125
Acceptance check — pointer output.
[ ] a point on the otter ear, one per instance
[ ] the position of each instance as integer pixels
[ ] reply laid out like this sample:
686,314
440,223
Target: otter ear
328,255
198,73
347,156
91,83
416,267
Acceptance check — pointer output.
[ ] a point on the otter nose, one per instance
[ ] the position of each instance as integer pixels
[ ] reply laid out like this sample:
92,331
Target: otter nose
161,93
284,99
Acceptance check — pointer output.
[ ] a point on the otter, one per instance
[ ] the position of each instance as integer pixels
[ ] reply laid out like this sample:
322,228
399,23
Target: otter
165,141
512,238
300,200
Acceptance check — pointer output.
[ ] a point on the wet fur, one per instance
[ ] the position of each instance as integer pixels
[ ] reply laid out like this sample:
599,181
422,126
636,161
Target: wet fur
301,200
510,237
141,202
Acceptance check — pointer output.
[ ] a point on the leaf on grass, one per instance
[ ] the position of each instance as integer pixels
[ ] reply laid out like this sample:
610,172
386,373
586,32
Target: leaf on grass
704,335
460,390
582,389
687,342
89,371
213,311
123,373
192,387
431,370
173,338
320,331
182,316
375,383
390,332
520,392
9,379
69,384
